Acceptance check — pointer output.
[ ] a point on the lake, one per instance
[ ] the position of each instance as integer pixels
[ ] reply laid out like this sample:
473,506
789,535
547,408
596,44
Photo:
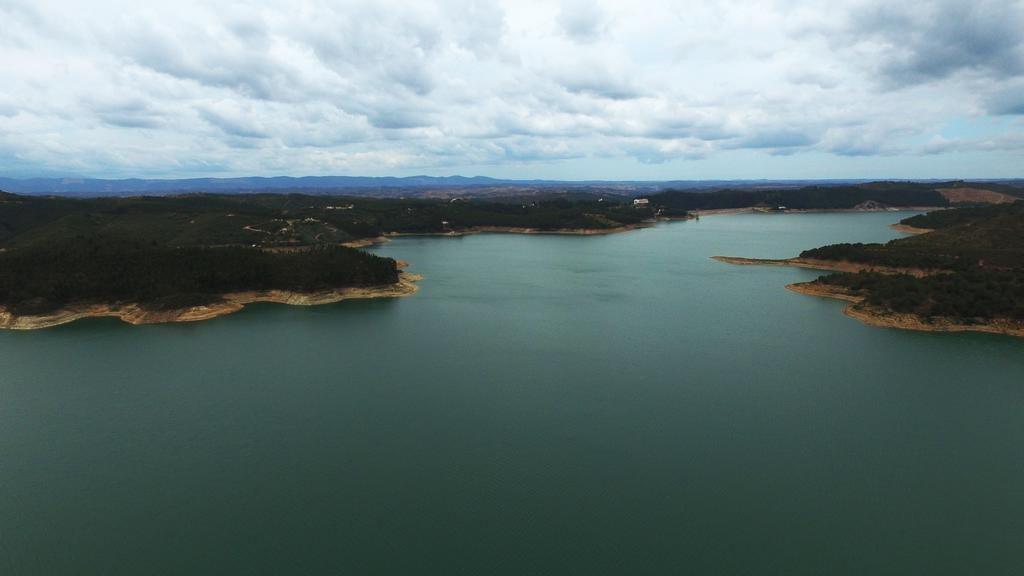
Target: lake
543,405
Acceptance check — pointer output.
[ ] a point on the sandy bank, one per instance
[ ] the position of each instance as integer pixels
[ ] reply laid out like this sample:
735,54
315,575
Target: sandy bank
874,316
365,242
828,265
909,229
233,302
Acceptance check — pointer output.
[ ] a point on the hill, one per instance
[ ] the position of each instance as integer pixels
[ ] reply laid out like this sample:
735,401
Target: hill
430,186
64,257
877,195
162,252
290,220
973,272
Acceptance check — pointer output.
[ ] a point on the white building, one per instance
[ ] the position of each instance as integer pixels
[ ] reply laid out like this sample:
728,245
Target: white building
640,201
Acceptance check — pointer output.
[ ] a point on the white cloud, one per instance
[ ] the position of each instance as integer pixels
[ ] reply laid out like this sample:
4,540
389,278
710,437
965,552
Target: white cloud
656,88
582,20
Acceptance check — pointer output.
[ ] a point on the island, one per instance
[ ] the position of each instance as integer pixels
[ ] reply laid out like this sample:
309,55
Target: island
963,270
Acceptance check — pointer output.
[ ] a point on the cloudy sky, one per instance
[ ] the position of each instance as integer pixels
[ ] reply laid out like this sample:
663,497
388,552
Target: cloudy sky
637,89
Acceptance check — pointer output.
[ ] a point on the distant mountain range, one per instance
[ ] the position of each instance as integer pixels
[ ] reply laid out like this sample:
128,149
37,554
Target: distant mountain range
244,184
363,185
413,186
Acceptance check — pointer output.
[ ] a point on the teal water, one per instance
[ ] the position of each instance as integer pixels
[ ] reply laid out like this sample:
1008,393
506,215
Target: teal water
544,405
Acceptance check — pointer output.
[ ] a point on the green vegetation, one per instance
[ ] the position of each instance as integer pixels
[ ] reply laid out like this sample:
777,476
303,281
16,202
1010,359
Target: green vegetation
271,220
109,269
946,218
890,255
971,295
976,256
991,236
180,251
166,252
894,194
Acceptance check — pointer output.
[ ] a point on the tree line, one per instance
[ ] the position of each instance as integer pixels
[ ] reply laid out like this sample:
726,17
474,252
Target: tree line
103,269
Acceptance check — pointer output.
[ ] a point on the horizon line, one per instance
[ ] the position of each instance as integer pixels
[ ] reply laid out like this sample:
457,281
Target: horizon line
499,179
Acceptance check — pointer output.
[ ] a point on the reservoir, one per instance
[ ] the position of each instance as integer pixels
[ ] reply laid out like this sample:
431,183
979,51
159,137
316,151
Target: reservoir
614,404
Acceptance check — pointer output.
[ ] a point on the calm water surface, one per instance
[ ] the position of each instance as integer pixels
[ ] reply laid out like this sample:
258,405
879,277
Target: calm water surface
544,405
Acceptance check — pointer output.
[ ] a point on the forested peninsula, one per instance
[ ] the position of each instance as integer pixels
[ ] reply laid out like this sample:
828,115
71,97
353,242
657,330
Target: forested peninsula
195,256
965,272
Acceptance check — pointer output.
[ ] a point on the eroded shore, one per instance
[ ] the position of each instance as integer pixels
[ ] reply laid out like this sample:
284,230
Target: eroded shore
387,236
522,230
871,315
132,313
695,214
875,316
909,229
827,265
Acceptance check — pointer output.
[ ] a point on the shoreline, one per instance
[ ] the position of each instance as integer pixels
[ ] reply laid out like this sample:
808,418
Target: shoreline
387,236
524,230
909,229
886,319
762,210
134,314
826,265
693,215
